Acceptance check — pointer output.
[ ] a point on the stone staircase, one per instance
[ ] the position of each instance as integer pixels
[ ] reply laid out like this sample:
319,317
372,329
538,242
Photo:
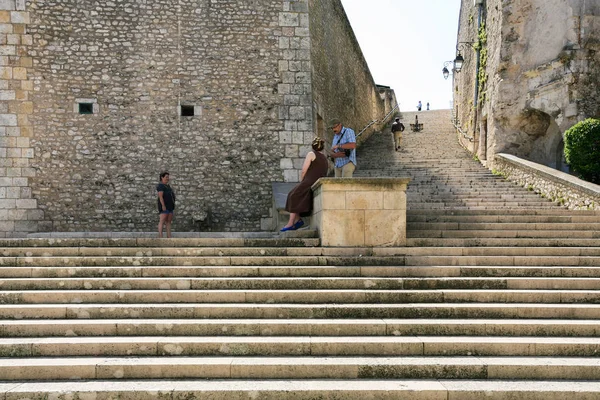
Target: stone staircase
497,296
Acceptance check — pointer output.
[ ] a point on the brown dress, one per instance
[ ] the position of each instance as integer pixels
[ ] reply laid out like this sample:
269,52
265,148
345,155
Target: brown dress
300,198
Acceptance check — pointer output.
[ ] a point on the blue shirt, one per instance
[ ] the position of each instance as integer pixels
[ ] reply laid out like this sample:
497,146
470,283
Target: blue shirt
346,135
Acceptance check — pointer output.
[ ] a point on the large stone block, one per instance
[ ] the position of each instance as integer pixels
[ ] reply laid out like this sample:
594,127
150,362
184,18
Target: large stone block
353,212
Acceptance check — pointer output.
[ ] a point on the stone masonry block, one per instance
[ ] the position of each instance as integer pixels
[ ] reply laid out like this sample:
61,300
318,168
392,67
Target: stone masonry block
7,95
284,43
5,73
27,203
286,163
385,228
290,175
298,138
7,5
297,113
13,193
13,39
285,137
291,151
20,73
22,142
7,203
8,120
302,32
298,163
7,226
3,191
289,19
20,5
364,200
395,200
8,50
25,226
299,6
20,17
6,28
4,17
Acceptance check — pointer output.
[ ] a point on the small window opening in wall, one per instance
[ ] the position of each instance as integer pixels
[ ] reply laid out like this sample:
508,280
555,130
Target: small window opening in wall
86,108
187,111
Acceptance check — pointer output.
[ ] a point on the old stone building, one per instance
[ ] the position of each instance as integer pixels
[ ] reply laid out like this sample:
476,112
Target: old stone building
531,71
98,97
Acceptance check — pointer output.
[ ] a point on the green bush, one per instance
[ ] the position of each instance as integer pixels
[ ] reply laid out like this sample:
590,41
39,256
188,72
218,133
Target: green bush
582,149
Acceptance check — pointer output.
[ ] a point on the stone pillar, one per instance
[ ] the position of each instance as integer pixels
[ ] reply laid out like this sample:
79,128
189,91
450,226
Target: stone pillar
18,210
295,71
360,212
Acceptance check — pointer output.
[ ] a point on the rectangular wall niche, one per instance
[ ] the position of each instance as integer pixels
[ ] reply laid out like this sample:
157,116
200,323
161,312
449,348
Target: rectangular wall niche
86,108
187,111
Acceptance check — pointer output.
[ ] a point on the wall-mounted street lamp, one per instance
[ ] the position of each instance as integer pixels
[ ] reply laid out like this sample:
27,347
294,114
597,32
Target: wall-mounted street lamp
458,62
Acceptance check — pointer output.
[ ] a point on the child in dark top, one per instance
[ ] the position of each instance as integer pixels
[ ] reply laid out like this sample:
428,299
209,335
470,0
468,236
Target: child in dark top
166,204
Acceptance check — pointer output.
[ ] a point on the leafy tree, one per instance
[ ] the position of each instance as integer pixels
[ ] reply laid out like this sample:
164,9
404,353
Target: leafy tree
582,149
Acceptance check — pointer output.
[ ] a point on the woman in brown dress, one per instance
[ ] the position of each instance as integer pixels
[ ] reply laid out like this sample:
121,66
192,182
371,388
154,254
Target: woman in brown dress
300,199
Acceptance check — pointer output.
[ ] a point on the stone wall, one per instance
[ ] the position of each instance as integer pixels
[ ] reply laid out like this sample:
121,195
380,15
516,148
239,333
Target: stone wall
536,56
343,86
18,208
138,62
94,94
557,186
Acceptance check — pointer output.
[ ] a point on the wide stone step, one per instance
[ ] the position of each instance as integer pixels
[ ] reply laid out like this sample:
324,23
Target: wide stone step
299,238
223,261
285,311
89,368
300,327
499,233
278,272
503,261
310,390
340,296
183,251
506,219
594,228
296,283
414,241
299,346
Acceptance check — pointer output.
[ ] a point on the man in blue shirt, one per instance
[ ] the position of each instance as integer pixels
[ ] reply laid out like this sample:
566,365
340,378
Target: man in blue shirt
343,149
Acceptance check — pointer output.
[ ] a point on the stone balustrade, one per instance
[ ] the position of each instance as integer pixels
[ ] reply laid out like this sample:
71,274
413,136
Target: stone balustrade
357,212
570,191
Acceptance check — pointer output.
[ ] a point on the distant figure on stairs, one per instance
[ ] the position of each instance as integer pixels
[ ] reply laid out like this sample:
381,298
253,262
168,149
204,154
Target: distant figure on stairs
397,129
427,106
419,106
343,149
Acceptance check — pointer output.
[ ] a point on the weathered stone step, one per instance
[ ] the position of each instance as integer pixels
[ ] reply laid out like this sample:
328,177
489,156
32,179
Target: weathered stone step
372,346
506,212
594,228
414,241
182,251
339,296
77,261
297,283
303,311
299,238
506,219
300,327
365,271
503,261
314,389
89,368
493,233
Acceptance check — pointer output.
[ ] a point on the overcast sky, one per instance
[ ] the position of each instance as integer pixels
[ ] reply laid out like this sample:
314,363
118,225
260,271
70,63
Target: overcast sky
405,43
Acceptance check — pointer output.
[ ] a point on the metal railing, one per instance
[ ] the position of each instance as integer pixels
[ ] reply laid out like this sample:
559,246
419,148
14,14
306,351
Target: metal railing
370,124
457,126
